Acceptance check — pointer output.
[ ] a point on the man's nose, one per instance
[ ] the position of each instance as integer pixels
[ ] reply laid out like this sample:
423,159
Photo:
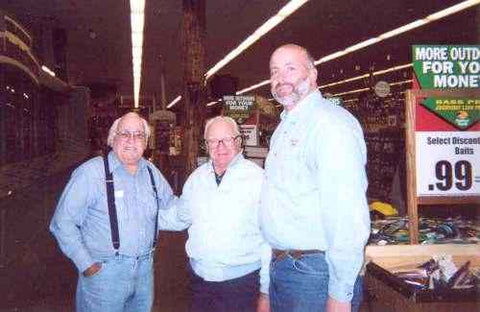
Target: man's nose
281,76
221,144
130,138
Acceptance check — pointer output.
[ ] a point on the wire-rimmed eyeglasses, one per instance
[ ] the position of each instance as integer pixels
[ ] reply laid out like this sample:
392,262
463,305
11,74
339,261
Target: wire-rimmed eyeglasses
135,135
226,141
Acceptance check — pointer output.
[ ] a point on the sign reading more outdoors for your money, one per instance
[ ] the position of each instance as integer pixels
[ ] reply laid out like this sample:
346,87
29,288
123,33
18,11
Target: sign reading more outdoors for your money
238,107
447,67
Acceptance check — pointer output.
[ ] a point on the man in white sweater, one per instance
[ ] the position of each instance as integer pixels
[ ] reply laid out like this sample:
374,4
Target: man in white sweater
219,204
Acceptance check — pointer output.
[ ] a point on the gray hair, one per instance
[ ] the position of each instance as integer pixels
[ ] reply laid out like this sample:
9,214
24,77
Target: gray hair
113,129
228,120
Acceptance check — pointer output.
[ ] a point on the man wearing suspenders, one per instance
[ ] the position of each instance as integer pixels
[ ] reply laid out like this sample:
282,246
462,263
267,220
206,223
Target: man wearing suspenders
106,222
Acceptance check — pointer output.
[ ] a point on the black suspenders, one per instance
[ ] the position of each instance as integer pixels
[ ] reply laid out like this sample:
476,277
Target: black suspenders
112,210
154,187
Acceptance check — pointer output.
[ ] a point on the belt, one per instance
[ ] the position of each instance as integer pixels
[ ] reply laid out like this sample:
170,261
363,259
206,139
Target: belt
278,254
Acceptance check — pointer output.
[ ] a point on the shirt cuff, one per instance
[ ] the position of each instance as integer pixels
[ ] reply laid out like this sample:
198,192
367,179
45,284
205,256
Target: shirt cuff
339,292
264,289
82,260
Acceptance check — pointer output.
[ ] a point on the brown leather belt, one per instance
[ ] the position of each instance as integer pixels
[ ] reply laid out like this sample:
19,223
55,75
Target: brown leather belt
278,254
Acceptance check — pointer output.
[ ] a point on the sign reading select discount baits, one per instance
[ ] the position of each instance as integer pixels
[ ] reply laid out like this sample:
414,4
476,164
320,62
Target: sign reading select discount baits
447,129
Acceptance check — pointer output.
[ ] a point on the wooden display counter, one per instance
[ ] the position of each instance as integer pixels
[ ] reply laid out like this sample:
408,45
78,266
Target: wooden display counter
387,293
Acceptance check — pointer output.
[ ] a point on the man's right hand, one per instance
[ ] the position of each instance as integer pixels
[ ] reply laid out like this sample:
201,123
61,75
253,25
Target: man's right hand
263,303
92,270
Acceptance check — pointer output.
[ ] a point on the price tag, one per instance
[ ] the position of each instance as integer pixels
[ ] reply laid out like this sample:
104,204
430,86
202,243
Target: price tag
250,135
448,163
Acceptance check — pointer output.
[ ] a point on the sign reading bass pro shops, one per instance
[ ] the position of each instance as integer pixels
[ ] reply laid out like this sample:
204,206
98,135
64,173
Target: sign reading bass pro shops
447,129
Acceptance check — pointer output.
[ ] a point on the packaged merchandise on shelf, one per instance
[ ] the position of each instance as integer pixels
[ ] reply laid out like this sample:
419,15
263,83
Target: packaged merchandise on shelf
423,278
440,273
394,230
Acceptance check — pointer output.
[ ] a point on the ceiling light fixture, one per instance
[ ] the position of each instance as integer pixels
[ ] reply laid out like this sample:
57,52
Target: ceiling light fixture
175,101
395,32
284,12
379,72
256,86
400,30
212,103
367,89
48,70
137,20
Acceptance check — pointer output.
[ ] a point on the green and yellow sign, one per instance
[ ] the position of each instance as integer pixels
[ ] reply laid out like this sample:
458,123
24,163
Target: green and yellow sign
459,112
447,67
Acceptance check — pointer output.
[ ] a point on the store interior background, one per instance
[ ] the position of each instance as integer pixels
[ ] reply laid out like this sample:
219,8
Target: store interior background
48,125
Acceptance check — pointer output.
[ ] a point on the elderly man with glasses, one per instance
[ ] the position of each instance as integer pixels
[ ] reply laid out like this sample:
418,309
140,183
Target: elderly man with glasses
219,205
106,222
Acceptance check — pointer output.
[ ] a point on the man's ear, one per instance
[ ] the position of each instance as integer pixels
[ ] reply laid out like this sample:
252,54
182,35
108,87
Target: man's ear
313,74
240,141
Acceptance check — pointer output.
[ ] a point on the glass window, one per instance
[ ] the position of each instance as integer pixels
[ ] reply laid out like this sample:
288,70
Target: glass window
27,124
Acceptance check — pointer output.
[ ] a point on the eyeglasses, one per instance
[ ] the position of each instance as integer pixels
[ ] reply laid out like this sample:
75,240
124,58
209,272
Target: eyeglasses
135,135
227,141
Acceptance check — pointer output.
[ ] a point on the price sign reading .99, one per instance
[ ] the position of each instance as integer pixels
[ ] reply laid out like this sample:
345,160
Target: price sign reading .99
458,175
445,167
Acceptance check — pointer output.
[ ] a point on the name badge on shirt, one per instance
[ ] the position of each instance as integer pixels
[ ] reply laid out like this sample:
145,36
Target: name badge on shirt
119,194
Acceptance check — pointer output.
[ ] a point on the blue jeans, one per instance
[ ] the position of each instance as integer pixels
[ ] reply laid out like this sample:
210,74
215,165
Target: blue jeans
123,284
235,295
301,285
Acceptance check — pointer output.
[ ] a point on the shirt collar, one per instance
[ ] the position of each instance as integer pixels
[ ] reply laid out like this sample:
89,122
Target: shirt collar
303,107
234,161
115,163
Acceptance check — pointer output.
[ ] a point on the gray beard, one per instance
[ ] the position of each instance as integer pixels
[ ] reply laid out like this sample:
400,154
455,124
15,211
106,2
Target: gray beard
298,93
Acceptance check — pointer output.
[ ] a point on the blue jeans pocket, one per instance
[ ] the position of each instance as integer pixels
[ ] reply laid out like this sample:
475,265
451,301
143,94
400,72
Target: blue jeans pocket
299,284
100,271
311,264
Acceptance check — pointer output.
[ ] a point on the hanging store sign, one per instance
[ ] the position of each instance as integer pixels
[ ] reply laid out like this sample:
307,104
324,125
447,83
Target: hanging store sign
238,106
459,112
249,134
382,89
447,67
336,100
447,132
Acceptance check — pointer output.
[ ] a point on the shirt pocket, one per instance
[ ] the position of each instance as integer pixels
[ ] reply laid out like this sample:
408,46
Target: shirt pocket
294,160
148,200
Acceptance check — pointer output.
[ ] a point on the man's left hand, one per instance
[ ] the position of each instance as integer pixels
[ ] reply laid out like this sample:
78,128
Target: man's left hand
338,306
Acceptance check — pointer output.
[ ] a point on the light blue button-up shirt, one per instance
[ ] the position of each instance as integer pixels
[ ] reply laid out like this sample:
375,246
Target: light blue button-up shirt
224,238
81,221
314,191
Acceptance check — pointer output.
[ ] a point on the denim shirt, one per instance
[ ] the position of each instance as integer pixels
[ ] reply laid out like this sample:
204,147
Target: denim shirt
314,191
81,221
224,238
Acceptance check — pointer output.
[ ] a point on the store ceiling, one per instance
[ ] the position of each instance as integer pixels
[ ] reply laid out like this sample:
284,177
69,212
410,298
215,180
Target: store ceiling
99,38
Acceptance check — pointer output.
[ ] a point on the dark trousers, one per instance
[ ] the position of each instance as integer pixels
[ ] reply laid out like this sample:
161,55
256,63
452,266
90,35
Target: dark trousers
236,295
